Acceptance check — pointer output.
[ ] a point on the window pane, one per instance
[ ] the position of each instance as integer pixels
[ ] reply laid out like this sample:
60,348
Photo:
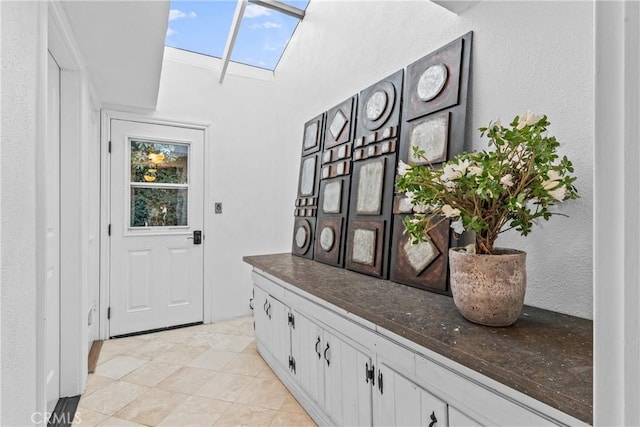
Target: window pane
159,163
200,26
263,36
158,207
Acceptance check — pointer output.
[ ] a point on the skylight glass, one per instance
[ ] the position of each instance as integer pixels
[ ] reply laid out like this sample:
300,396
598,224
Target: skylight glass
203,27
200,26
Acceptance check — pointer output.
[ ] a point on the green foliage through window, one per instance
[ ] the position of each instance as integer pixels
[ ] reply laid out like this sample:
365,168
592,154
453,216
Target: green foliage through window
156,170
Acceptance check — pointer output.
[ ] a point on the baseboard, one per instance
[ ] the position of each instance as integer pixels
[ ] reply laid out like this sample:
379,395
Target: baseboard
94,354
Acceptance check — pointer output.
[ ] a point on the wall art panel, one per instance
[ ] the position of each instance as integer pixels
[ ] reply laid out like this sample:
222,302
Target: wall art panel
335,183
374,165
434,120
306,204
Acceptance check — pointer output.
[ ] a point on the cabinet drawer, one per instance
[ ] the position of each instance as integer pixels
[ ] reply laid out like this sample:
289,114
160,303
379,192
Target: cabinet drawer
479,401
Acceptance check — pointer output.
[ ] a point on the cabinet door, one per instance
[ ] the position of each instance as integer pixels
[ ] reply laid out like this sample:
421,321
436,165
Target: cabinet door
281,331
347,393
401,402
458,419
398,402
435,412
272,327
261,316
306,349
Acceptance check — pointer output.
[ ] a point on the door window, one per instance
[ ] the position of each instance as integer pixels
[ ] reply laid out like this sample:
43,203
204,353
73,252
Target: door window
159,182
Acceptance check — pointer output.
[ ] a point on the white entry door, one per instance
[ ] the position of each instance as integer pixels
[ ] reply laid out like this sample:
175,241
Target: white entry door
52,239
156,218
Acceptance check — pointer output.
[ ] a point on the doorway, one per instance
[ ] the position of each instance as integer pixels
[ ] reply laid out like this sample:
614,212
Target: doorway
156,234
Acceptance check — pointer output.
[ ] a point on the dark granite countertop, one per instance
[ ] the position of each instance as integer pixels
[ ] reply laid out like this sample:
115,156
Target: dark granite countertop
546,355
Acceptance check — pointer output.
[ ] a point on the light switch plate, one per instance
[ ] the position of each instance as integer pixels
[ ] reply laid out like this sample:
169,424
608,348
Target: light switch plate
218,207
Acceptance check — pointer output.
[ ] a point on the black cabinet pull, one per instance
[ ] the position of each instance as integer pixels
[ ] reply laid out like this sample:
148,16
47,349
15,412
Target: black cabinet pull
366,373
318,351
325,354
269,311
264,307
434,420
380,381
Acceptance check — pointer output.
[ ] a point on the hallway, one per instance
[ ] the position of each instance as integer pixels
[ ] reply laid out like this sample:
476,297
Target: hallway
203,375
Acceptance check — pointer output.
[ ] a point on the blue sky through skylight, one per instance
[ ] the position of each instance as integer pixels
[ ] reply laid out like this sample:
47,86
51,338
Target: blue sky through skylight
203,27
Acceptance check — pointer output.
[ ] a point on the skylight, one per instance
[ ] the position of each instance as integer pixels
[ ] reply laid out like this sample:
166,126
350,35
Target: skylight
203,27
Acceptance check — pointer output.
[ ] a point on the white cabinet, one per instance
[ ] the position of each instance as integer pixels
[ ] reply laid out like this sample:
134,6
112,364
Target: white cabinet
325,355
401,402
272,325
332,371
347,393
307,340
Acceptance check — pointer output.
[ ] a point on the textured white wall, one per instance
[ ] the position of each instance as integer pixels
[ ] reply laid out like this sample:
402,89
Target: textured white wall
525,56
18,229
246,170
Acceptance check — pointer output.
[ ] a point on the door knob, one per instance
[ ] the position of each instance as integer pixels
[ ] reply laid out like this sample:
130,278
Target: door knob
197,237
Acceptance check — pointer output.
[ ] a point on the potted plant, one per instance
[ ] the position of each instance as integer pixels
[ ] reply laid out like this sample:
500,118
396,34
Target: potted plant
511,186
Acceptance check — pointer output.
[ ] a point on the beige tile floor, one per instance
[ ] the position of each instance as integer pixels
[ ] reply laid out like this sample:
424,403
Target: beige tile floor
205,375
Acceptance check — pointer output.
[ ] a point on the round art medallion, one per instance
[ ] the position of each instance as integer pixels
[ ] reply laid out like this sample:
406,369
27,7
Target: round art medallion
432,82
327,238
376,105
301,237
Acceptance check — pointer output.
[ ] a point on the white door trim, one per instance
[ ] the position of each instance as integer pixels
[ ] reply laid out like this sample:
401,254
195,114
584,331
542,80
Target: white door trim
616,214
105,167
57,37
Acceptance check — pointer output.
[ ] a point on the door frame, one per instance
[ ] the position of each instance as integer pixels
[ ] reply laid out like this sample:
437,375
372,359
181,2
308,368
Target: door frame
105,209
76,100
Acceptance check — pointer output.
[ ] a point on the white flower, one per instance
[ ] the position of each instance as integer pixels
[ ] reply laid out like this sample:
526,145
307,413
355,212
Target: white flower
403,168
421,208
449,211
414,221
495,123
553,187
463,165
474,170
448,173
558,193
507,180
527,119
457,226
552,182
454,171
553,176
410,195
